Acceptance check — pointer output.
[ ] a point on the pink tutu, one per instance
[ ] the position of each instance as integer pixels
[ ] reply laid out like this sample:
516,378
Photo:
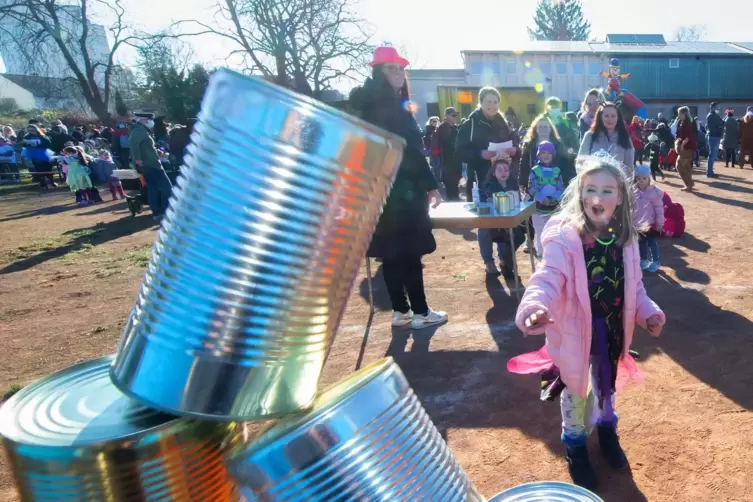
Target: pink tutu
539,362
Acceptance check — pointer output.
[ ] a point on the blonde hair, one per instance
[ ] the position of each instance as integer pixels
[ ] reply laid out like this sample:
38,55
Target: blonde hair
591,92
532,130
572,209
428,121
486,91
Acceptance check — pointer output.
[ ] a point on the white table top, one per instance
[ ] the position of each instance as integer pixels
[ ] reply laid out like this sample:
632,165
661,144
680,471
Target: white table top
451,215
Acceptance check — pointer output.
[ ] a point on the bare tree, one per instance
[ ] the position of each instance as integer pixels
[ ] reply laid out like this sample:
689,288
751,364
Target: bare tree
306,45
692,33
58,38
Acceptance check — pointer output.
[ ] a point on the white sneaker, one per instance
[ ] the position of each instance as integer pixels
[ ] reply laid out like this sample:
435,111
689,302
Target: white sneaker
400,319
430,319
645,264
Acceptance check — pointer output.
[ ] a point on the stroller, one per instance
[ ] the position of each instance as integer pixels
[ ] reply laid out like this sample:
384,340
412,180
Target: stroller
135,188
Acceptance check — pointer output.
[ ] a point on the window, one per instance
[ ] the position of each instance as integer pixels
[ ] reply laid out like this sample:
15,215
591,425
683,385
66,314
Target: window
546,68
578,69
594,69
465,110
564,107
494,68
477,68
561,68
531,109
674,62
432,110
511,68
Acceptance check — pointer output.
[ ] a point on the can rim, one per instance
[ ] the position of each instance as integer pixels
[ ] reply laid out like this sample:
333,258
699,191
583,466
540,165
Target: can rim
10,407
326,401
281,92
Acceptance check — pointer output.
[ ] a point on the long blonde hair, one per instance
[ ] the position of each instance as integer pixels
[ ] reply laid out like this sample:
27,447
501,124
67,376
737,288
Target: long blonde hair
572,209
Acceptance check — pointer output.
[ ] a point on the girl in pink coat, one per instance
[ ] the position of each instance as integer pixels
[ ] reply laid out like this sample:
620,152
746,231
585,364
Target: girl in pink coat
587,296
648,212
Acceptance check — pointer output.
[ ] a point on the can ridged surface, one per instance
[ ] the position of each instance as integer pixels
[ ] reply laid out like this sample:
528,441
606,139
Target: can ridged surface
74,436
249,276
366,438
546,491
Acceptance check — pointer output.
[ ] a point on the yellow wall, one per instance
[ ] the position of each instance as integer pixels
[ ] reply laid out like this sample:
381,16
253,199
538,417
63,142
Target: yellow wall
519,99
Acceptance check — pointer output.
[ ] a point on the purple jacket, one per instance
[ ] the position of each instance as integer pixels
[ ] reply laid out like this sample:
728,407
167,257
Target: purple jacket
560,288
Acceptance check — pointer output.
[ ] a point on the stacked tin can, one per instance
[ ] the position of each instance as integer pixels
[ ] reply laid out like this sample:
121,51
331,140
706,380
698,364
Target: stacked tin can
239,306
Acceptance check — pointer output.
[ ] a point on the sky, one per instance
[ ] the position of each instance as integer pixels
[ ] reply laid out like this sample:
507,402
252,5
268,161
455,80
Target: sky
434,32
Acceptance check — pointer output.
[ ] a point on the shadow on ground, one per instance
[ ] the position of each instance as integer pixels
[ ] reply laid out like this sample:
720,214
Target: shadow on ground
83,237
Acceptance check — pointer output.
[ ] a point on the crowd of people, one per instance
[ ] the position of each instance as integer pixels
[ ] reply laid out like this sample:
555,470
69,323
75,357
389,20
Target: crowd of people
599,214
87,156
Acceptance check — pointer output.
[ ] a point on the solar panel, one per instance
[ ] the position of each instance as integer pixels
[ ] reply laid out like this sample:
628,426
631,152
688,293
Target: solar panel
640,39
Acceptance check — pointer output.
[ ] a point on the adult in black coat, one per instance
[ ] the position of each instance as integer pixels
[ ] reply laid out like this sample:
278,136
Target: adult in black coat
485,125
403,234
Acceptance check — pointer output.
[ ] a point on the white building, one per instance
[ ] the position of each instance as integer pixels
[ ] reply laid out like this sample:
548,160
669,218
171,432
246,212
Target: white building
22,56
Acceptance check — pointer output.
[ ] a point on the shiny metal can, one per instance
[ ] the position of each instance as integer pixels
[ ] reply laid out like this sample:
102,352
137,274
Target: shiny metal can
250,272
366,438
74,436
546,491
502,203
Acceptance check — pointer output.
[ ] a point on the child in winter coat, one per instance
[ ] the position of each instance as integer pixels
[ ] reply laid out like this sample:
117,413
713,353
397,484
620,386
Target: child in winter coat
76,166
648,213
653,154
499,180
587,296
545,184
105,166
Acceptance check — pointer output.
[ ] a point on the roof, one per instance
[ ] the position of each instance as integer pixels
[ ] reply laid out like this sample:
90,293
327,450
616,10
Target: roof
670,48
443,72
679,48
45,87
533,46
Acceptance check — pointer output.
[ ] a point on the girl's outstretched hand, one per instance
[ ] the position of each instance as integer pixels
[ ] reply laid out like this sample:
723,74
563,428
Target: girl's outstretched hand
653,325
537,323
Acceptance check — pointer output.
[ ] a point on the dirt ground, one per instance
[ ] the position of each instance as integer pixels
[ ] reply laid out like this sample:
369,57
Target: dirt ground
69,275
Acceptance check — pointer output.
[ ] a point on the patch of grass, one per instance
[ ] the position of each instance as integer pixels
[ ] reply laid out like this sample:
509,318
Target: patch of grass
11,391
98,329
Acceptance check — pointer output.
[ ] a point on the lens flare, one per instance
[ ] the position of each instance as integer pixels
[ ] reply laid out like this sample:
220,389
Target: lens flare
518,52
528,65
539,88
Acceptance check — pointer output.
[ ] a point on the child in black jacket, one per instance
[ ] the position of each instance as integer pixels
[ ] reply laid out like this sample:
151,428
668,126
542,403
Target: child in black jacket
653,152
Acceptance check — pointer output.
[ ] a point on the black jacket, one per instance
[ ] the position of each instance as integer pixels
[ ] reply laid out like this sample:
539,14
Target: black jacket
446,137
715,125
404,229
476,134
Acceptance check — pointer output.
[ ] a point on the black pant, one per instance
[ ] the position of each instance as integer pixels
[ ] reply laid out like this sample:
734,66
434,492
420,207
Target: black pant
405,274
656,169
729,155
477,173
43,179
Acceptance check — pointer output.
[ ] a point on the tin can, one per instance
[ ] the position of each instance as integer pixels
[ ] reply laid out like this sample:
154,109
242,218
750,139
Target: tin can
366,438
502,203
546,491
250,272
74,436
514,198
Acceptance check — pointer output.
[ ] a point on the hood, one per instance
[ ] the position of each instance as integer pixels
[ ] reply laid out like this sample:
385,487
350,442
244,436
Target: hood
748,118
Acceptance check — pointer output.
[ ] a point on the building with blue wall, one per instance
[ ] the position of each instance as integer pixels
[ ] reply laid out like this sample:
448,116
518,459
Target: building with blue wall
664,75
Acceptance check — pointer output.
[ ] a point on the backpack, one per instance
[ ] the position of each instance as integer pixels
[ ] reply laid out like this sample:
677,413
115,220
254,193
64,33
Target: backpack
674,217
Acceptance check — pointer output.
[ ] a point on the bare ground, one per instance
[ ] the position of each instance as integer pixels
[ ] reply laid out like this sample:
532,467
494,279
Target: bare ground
69,275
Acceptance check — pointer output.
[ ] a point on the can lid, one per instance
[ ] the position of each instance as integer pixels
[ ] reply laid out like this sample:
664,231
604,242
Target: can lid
75,407
549,491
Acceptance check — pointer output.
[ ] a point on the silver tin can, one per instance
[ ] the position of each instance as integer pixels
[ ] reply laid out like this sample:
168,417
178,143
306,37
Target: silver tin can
74,436
250,272
366,438
502,203
514,198
547,491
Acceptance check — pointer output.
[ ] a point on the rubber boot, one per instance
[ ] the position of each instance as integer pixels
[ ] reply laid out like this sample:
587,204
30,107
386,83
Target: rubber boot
579,466
610,447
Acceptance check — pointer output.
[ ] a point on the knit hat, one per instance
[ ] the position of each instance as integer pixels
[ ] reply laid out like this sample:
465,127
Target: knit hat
642,170
545,146
653,137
